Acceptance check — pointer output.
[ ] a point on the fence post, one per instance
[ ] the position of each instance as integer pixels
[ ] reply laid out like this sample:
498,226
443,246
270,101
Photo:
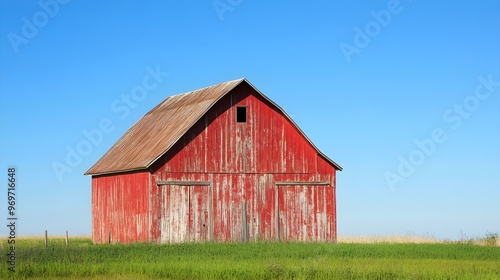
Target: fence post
46,239
67,241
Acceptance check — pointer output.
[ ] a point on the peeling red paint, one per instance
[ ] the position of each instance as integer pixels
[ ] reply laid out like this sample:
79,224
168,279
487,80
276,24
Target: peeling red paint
120,208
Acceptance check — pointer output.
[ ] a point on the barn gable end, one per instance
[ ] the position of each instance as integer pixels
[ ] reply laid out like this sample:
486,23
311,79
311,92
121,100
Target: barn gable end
267,142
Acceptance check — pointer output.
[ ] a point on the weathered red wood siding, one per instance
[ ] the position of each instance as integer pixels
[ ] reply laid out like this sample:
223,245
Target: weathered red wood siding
120,208
242,162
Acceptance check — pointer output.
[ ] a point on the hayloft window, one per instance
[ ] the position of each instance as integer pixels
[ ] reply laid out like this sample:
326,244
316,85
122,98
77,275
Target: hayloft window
241,114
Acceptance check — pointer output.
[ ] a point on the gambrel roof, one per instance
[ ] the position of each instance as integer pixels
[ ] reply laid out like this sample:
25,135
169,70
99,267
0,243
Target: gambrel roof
157,131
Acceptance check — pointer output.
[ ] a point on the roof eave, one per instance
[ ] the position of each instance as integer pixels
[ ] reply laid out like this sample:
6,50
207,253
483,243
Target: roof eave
116,171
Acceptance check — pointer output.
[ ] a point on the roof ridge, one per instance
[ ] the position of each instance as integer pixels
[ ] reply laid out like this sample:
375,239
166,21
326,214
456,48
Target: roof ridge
207,87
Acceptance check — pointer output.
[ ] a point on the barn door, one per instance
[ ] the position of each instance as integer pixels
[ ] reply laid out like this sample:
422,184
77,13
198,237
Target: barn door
199,220
303,213
184,213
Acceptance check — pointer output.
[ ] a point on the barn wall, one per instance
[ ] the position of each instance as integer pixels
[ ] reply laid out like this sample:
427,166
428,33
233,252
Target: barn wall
120,208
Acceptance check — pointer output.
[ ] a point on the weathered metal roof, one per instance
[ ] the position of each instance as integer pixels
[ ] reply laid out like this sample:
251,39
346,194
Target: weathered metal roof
157,131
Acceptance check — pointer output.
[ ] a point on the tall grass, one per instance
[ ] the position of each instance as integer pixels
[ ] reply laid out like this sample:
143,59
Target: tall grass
81,259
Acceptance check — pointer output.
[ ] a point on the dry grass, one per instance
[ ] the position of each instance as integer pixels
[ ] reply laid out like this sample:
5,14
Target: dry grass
34,239
394,239
387,239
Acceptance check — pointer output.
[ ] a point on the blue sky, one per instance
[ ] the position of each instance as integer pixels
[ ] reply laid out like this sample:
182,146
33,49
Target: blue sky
405,95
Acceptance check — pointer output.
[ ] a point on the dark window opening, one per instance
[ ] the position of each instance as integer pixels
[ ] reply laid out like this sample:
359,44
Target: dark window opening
241,114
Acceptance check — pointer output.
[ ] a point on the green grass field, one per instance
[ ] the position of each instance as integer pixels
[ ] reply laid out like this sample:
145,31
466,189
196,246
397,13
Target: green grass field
83,260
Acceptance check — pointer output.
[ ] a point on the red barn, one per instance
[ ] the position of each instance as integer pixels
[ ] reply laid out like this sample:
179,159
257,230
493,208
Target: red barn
222,163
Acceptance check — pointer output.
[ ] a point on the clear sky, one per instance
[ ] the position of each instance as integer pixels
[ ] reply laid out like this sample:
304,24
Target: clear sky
404,95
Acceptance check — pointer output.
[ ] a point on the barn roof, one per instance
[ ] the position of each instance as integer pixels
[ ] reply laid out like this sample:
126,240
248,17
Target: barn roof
157,131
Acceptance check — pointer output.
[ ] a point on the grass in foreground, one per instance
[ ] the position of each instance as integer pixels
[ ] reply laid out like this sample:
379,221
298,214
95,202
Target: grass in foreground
83,260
